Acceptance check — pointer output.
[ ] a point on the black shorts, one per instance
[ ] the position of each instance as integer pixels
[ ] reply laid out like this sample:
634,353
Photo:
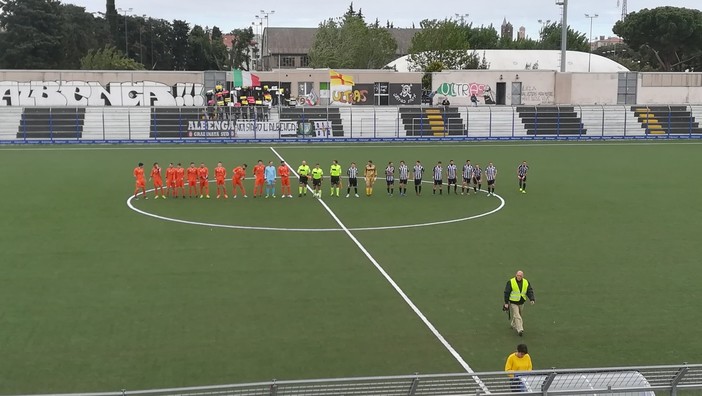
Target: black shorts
403,181
491,182
524,178
438,182
417,182
390,182
466,180
335,180
451,181
353,182
303,179
316,182
476,180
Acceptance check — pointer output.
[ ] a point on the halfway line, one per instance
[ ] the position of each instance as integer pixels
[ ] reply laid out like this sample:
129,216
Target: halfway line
397,288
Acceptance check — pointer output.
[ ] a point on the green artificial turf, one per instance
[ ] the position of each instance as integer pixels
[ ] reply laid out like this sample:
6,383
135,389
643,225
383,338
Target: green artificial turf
97,297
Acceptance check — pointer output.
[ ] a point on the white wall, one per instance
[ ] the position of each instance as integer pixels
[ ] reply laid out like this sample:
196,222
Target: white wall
458,85
593,89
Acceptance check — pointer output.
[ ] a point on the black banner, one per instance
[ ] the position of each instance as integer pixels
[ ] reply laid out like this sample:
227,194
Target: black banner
405,94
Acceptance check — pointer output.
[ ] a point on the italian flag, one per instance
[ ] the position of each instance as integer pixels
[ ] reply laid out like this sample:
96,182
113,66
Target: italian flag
245,79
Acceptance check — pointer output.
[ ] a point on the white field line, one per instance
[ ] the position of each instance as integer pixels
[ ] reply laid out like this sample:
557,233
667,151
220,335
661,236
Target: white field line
331,145
397,288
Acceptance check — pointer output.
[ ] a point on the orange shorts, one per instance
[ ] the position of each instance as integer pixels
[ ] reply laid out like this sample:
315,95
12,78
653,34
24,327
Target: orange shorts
192,182
140,184
179,183
170,183
259,182
285,181
236,182
158,183
220,182
203,182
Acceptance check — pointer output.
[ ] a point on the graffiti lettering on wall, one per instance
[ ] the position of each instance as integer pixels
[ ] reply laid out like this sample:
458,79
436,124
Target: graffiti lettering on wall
351,97
81,93
532,95
462,90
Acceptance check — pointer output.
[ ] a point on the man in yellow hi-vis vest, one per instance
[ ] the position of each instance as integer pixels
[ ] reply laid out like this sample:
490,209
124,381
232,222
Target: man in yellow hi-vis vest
517,292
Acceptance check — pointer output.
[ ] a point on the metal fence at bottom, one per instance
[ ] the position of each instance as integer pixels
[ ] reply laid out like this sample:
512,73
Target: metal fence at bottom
643,380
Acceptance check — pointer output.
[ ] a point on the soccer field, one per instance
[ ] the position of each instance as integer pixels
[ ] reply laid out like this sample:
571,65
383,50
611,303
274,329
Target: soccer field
99,297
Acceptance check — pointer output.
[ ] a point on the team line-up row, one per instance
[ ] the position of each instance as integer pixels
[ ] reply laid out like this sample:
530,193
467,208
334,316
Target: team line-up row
265,179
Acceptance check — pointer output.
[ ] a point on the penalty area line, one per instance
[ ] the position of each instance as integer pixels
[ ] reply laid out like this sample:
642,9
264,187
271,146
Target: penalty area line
392,282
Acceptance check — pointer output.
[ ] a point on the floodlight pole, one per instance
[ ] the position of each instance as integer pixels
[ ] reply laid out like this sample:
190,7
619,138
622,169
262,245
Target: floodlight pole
126,37
564,33
266,14
589,56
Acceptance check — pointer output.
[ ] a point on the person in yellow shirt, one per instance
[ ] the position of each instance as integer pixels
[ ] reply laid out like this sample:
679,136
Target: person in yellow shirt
370,175
335,174
518,361
304,172
317,175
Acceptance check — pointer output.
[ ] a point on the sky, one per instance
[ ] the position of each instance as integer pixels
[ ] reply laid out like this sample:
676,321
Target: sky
233,14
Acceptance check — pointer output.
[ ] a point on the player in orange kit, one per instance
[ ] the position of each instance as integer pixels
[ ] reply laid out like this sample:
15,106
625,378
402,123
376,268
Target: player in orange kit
203,174
192,180
158,180
220,175
258,172
284,173
170,180
140,182
239,174
180,182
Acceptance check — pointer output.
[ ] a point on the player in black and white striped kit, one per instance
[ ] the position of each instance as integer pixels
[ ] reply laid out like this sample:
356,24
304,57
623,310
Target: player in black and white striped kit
451,172
404,175
490,175
352,173
522,175
477,175
467,175
418,172
390,178
438,178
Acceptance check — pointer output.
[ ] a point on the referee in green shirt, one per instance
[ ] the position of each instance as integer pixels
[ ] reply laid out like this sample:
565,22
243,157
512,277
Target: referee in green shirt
303,171
317,174
335,173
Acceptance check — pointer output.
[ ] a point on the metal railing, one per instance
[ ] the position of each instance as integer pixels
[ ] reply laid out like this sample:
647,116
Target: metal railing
644,380
182,124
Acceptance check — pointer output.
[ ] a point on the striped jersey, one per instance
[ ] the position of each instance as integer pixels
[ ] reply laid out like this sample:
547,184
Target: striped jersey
477,172
438,172
390,173
352,172
404,172
451,171
491,172
418,172
523,169
467,171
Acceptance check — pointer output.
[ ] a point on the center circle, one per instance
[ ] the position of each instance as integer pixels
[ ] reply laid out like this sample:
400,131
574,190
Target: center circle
257,228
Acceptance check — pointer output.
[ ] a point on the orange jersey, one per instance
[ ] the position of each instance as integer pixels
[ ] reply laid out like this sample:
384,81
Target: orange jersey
203,173
139,173
180,173
156,174
170,174
284,171
220,172
192,173
258,171
239,173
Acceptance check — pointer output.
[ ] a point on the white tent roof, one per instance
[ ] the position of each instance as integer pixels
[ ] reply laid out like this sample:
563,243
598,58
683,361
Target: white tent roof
536,59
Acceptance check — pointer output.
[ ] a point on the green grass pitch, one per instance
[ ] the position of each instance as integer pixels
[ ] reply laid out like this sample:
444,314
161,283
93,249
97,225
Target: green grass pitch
96,297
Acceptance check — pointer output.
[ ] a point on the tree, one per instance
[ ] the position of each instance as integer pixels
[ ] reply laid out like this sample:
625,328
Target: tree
112,21
219,50
179,45
627,57
672,35
80,32
483,37
349,43
444,42
28,34
551,39
199,50
242,49
108,58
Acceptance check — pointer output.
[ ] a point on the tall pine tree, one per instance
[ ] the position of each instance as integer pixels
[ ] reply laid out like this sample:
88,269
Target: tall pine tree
29,37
